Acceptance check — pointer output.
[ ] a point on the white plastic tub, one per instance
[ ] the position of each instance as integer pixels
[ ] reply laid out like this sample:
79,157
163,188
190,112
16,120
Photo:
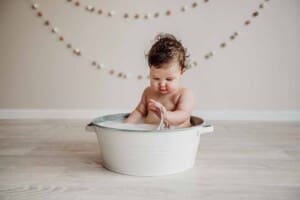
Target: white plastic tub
148,152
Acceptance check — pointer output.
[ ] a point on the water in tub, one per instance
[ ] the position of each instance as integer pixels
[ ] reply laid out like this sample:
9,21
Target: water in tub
127,126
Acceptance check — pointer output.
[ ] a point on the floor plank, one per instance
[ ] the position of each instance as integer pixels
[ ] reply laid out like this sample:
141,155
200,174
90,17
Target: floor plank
57,159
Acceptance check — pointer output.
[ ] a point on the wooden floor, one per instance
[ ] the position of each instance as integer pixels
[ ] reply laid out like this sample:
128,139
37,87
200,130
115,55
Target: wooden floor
52,159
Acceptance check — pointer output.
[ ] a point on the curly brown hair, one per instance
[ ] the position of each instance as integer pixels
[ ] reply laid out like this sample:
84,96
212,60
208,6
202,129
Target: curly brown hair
165,49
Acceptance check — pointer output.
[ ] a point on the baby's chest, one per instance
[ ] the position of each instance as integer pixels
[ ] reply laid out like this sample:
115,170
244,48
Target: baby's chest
169,103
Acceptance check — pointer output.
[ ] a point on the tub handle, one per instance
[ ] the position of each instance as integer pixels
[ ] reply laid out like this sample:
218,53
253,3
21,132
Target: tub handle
90,127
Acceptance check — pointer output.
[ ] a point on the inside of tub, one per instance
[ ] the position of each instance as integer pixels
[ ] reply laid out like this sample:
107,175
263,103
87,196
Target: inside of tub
115,121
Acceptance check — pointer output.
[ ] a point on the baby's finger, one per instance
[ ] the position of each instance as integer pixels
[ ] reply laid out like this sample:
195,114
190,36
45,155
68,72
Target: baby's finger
151,105
152,101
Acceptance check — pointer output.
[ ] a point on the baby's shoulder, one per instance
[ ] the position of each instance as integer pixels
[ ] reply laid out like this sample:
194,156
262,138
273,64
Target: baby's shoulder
147,90
185,93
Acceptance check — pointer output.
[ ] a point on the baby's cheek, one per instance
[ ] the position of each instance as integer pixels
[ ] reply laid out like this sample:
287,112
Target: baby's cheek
175,85
171,86
154,87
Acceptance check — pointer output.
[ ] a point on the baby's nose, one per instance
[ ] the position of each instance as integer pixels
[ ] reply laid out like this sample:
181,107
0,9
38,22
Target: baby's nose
162,83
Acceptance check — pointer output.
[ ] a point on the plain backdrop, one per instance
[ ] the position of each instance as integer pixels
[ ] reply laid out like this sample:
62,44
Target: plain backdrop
258,70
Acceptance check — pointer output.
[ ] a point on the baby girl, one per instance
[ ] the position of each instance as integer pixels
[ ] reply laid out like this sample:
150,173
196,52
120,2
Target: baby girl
165,96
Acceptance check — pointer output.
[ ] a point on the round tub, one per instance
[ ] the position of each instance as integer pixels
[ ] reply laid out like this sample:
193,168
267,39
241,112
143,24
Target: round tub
148,152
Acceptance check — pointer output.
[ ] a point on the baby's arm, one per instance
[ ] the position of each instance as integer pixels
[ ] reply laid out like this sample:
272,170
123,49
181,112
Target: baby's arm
181,114
183,110
139,112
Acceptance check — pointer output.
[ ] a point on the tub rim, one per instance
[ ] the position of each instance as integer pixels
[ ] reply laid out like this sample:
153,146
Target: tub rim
196,122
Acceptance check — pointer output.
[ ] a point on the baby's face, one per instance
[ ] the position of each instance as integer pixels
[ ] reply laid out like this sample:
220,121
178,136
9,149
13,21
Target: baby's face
165,79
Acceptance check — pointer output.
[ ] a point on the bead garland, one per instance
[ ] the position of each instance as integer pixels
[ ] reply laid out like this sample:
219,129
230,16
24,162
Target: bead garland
125,75
135,16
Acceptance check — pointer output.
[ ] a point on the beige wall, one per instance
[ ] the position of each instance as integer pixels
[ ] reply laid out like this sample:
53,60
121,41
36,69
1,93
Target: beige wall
260,70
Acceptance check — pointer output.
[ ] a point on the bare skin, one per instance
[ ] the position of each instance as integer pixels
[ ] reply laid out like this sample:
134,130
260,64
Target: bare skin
165,94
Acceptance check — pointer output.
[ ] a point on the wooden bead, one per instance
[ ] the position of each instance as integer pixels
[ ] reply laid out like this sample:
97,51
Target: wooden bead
47,23
100,66
184,8
261,6
111,13
223,45
120,74
34,6
255,14
54,30
147,16
247,22
77,52
209,55
90,8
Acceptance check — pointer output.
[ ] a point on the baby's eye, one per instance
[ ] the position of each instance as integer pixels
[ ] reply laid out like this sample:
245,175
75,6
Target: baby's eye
169,79
157,79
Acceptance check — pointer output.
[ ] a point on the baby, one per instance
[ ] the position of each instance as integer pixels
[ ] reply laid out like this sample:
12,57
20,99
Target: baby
165,95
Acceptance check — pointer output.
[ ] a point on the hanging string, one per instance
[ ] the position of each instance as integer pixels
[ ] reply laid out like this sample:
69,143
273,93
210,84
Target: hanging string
120,74
136,16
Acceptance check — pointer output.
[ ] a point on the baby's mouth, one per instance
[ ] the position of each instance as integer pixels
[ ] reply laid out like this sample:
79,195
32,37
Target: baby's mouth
163,90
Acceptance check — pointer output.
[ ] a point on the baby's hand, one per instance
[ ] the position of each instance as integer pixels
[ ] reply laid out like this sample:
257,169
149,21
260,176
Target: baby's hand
156,107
